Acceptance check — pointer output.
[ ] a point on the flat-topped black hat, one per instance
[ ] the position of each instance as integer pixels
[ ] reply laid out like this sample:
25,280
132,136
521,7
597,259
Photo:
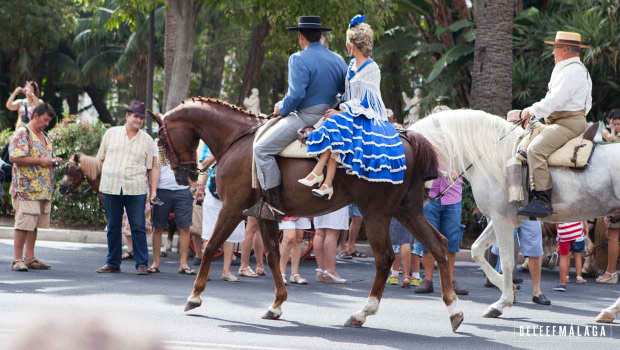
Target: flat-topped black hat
309,23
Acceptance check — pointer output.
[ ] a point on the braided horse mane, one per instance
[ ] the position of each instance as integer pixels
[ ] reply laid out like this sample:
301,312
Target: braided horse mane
164,140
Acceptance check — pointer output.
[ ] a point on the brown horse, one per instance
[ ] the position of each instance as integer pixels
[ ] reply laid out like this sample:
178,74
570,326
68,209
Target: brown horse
81,167
229,133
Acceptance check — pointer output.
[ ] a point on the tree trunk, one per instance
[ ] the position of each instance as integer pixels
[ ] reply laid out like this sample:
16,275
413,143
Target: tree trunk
139,79
443,18
179,49
255,58
213,69
98,98
492,71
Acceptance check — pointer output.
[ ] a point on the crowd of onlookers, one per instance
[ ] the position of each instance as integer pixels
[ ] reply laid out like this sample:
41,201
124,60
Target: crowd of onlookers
140,190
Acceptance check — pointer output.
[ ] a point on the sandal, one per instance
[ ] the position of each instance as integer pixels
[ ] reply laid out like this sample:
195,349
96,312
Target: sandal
153,269
260,271
357,254
127,256
247,272
580,280
19,266
35,264
297,279
186,270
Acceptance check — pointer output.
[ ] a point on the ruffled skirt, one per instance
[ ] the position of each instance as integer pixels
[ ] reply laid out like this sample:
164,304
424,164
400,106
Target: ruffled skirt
367,148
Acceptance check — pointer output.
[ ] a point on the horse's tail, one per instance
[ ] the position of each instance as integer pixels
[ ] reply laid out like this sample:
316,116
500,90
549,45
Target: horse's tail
425,163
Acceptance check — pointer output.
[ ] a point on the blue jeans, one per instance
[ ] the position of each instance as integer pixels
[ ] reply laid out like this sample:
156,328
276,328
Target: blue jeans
134,205
447,220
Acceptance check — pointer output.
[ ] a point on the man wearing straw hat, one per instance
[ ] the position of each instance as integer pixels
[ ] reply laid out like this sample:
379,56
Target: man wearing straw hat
564,108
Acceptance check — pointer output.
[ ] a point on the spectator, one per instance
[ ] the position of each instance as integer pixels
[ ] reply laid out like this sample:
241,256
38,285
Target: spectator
177,199
24,107
610,276
126,176
32,186
443,211
401,244
290,247
211,207
326,242
529,235
252,239
350,251
571,238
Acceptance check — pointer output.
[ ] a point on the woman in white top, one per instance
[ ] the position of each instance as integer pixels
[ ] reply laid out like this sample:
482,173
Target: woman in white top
290,247
24,106
327,228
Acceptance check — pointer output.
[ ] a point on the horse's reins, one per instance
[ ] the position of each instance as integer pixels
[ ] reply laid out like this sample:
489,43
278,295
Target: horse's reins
471,165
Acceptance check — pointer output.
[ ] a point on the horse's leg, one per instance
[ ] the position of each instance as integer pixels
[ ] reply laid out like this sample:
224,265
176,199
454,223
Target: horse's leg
504,234
486,238
379,239
227,220
437,245
269,232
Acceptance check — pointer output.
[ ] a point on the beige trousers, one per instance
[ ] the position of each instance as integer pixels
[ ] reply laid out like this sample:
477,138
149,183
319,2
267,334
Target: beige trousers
561,127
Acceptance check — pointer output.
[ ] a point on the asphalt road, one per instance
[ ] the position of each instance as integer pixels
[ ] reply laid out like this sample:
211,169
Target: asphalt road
151,307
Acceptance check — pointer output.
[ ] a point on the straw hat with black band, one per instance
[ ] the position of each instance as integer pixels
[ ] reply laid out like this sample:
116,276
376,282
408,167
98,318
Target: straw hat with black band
568,39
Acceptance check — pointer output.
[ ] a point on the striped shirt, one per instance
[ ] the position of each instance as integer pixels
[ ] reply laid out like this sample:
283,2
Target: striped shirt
570,231
125,162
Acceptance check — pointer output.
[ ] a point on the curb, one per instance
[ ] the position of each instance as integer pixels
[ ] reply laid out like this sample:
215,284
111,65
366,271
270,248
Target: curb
83,236
61,235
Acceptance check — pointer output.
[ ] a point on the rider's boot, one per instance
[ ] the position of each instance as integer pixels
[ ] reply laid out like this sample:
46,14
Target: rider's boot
539,205
267,206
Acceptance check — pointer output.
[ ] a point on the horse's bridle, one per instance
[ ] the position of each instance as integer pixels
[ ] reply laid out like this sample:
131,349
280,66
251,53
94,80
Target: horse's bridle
190,166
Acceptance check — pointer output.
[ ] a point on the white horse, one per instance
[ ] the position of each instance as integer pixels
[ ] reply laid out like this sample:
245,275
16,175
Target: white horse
468,137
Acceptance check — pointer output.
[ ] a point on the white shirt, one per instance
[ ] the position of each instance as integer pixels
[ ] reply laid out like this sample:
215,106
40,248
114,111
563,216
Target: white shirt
570,89
125,161
167,181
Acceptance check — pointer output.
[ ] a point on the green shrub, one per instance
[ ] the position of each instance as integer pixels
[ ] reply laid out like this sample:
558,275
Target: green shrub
81,208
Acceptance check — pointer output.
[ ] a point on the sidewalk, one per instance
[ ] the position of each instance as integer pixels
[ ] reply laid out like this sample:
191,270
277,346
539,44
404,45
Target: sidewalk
83,236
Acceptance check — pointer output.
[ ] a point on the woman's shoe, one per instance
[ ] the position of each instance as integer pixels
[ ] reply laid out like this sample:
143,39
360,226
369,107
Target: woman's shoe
297,279
323,192
329,278
229,277
311,180
319,275
247,272
608,278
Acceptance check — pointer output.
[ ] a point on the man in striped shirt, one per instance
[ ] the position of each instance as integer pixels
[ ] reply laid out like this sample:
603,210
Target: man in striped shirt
571,238
127,153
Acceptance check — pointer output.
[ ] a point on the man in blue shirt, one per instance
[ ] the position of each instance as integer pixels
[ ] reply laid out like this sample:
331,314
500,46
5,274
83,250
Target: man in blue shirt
315,77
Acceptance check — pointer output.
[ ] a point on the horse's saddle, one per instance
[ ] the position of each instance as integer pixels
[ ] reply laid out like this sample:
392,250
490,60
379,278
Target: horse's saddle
296,149
575,153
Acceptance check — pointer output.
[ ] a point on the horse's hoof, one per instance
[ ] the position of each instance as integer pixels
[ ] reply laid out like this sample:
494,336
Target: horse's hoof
270,315
492,313
192,305
456,320
353,323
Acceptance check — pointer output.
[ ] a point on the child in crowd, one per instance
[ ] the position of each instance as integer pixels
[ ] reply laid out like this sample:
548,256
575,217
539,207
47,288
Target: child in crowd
401,244
571,238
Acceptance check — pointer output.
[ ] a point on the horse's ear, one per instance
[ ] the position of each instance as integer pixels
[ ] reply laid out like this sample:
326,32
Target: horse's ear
157,117
76,158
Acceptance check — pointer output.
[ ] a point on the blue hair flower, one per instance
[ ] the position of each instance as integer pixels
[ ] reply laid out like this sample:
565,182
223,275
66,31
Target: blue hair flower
356,20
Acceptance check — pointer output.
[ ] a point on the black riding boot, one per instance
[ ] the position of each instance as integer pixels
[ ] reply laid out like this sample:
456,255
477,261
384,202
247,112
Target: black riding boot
267,207
539,205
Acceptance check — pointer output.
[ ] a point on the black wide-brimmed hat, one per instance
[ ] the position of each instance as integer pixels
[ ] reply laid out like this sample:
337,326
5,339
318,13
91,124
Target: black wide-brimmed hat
309,23
136,107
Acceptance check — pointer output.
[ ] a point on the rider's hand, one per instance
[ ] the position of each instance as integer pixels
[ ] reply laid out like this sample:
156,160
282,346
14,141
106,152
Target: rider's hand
330,112
526,114
276,109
